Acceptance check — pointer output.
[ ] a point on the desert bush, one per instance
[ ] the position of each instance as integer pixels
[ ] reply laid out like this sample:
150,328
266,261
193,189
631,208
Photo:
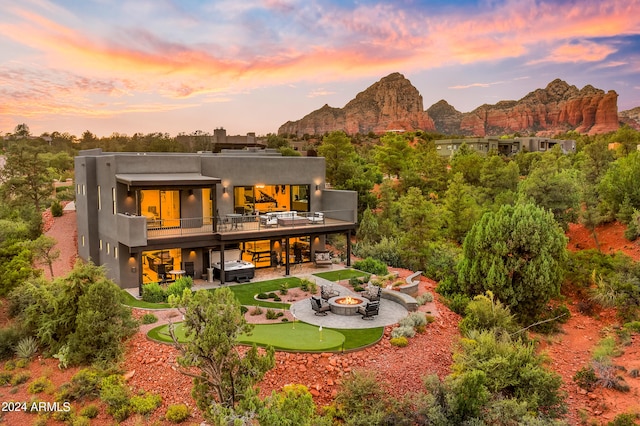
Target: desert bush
256,311
458,303
9,338
84,384
243,309
624,419
633,326
608,377
414,319
145,404
403,331
586,378
284,289
20,378
22,363
486,313
400,342
81,421
149,319
90,411
371,266
425,298
605,349
272,295
5,378
635,373
561,314
153,293
26,347
272,314
362,400
291,406
41,384
262,296
56,209
177,413
115,394
63,416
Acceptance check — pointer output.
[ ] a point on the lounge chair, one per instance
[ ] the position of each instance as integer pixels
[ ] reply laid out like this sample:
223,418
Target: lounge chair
319,306
369,311
372,293
327,293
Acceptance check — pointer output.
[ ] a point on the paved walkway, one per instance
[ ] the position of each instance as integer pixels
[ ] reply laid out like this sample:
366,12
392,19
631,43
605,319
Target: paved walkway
389,313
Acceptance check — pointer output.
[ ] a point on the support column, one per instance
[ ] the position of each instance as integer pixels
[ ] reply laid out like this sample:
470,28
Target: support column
222,272
348,248
286,253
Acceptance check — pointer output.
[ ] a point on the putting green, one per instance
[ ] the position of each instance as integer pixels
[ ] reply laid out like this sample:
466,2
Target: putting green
284,336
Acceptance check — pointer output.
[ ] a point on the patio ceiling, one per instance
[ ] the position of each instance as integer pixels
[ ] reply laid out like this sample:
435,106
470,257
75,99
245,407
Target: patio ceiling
164,179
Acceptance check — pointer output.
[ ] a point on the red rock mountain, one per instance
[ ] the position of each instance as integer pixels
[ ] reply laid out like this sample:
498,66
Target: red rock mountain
557,108
392,103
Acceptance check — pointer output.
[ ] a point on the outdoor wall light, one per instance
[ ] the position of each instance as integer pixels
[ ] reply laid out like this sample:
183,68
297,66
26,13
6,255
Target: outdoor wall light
224,189
190,192
317,187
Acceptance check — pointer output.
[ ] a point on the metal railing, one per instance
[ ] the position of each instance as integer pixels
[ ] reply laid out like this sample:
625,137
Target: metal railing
176,227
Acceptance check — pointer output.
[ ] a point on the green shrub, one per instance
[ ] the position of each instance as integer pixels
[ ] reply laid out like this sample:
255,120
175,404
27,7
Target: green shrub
40,384
56,209
177,413
371,266
149,319
63,416
177,288
262,296
271,314
624,419
243,309
362,400
5,378
484,312
145,404
400,342
403,331
430,318
26,347
81,421
633,326
425,298
304,284
9,338
458,303
85,384
586,378
153,293
560,312
256,311
10,365
293,403
313,287
20,378
90,411
22,363
272,295
605,349
284,289
114,393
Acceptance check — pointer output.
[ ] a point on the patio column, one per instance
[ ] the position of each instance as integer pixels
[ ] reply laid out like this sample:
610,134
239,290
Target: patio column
222,273
348,248
286,251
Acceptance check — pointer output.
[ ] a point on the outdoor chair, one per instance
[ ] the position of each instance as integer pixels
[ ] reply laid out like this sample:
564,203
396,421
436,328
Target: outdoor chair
189,269
319,306
327,293
373,293
369,311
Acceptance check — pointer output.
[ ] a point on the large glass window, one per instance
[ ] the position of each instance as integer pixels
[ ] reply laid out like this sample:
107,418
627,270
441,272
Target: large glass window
161,207
156,264
207,205
267,198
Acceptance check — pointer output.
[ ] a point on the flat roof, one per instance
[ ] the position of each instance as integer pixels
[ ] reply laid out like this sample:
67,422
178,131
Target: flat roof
166,179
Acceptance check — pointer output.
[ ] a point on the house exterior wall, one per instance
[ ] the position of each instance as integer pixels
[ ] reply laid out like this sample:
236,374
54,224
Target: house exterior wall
111,234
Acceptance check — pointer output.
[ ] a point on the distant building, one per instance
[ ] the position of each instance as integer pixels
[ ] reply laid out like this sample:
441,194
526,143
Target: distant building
507,147
220,140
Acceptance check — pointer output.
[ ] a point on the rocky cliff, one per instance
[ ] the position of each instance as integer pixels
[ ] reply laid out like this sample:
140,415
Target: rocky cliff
631,117
557,108
392,103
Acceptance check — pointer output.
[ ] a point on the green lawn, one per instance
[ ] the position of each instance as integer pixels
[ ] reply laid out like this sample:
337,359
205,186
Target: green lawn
287,336
343,274
245,292
129,300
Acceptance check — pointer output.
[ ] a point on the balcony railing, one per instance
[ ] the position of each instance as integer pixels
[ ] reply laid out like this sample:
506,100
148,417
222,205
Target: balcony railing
230,223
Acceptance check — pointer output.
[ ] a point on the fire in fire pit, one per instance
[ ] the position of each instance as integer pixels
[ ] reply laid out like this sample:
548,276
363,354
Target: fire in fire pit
348,301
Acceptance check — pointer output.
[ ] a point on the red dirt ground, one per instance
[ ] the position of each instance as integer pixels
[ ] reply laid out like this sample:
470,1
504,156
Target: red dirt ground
151,365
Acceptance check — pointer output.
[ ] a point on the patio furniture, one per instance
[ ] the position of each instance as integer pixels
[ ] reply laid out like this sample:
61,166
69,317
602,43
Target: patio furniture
319,306
370,310
327,292
189,269
317,217
372,293
322,258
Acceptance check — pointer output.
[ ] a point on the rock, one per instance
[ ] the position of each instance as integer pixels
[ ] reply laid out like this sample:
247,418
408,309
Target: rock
392,103
129,375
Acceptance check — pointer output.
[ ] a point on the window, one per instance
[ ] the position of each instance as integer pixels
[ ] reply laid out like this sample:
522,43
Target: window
161,207
115,252
82,238
99,199
100,244
84,190
113,201
108,248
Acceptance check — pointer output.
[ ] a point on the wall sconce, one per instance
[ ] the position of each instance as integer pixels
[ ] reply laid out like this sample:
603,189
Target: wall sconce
129,193
190,192
317,187
224,189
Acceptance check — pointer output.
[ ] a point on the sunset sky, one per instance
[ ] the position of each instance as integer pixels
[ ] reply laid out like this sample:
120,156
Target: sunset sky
250,65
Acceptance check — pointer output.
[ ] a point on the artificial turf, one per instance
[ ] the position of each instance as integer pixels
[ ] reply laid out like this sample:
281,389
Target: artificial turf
245,293
129,300
342,274
294,337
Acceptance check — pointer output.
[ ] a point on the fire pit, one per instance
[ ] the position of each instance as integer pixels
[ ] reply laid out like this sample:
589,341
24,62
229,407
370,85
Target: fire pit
346,305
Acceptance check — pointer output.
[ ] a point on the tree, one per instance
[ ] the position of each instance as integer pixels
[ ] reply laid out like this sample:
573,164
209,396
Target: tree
293,406
393,153
21,131
223,386
620,181
25,178
498,176
517,253
461,210
44,250
469,163
340,157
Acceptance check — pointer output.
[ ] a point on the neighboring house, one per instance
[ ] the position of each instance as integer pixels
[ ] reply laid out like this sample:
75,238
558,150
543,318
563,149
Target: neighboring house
508,147
142,215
